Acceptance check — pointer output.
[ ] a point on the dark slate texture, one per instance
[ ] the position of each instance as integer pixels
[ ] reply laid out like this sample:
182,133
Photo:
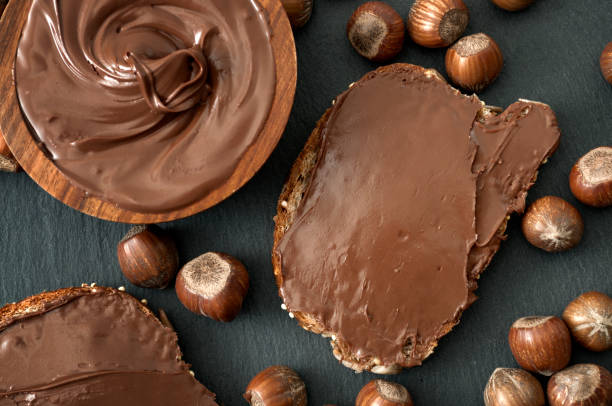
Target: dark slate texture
551,51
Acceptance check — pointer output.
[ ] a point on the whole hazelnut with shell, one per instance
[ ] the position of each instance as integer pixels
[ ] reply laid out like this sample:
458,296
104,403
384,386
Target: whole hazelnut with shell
213,285
513,387
589,318
540,344
513,5
276,386
552,224
437,23
376,31
298,11
383,393
605,63
474,62
581,385
591,178
148,257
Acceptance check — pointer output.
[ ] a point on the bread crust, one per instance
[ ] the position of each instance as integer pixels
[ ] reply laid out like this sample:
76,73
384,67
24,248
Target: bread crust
289,201
46,301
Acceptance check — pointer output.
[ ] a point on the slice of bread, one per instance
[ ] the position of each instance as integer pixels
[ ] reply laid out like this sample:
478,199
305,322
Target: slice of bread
489,120
91,345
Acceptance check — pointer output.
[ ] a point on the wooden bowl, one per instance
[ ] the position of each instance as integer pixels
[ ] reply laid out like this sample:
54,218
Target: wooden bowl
26,151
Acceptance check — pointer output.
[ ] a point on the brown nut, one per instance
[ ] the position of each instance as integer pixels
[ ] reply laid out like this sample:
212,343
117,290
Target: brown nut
589,318
474,62
591,178
383,393
8,163
213,285
276,386
148,257
581,385
513,5
552,224
513,387
376,31
437,23
605,63
540,344
298,11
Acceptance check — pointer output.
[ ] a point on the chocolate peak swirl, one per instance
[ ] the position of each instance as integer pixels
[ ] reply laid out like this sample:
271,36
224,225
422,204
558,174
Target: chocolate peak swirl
148,104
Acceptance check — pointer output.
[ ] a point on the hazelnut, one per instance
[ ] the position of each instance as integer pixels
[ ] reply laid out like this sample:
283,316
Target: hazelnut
605,62
540,344
383,393
513,387
589,318
376,31
298,11
591,178
213,285
513,5
437,23
552,224
581,385
8,163
474,62
276,386
148,257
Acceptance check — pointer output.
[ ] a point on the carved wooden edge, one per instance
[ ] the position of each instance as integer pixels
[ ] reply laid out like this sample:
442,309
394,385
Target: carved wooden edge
7,161
44,172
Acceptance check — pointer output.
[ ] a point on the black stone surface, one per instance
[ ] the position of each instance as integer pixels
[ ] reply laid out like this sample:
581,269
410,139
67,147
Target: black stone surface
551,50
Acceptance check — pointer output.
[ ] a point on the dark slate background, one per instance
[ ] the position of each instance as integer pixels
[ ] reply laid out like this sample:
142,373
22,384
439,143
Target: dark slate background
551,52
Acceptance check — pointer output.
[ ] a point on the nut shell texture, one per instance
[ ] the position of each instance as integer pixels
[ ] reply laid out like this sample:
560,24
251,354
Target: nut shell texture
513,5
605,62
376,31
540,344
474,62
383,393
581,385
213,285
589,318
276,386
148,257
591,178
513,387
298,11
437,23
552,224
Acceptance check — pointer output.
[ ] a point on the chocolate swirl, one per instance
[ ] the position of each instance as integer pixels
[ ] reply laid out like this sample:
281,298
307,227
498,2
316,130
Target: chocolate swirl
148,104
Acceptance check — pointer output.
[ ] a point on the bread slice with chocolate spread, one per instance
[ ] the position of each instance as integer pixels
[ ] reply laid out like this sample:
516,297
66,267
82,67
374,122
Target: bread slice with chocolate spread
91,346
397,203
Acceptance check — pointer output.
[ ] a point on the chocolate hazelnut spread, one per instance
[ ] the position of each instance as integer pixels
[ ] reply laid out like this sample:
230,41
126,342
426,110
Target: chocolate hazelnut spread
404,209
94,349
148,104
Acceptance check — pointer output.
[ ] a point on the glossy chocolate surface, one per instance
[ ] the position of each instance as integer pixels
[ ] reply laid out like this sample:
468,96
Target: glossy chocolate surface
403,210
148,104
95,349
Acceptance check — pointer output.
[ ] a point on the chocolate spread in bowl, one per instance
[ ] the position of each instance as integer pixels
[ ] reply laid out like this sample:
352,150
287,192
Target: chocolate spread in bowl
148,104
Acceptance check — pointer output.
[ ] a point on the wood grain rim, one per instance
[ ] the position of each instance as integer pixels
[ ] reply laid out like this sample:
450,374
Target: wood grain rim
44,172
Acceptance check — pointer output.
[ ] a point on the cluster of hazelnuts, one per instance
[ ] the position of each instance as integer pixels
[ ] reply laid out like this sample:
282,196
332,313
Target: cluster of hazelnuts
213,284
282,386
552,223
540,344
543,345
377,32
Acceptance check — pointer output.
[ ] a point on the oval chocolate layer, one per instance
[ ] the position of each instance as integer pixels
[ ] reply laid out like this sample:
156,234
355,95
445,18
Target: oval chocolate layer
403,211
